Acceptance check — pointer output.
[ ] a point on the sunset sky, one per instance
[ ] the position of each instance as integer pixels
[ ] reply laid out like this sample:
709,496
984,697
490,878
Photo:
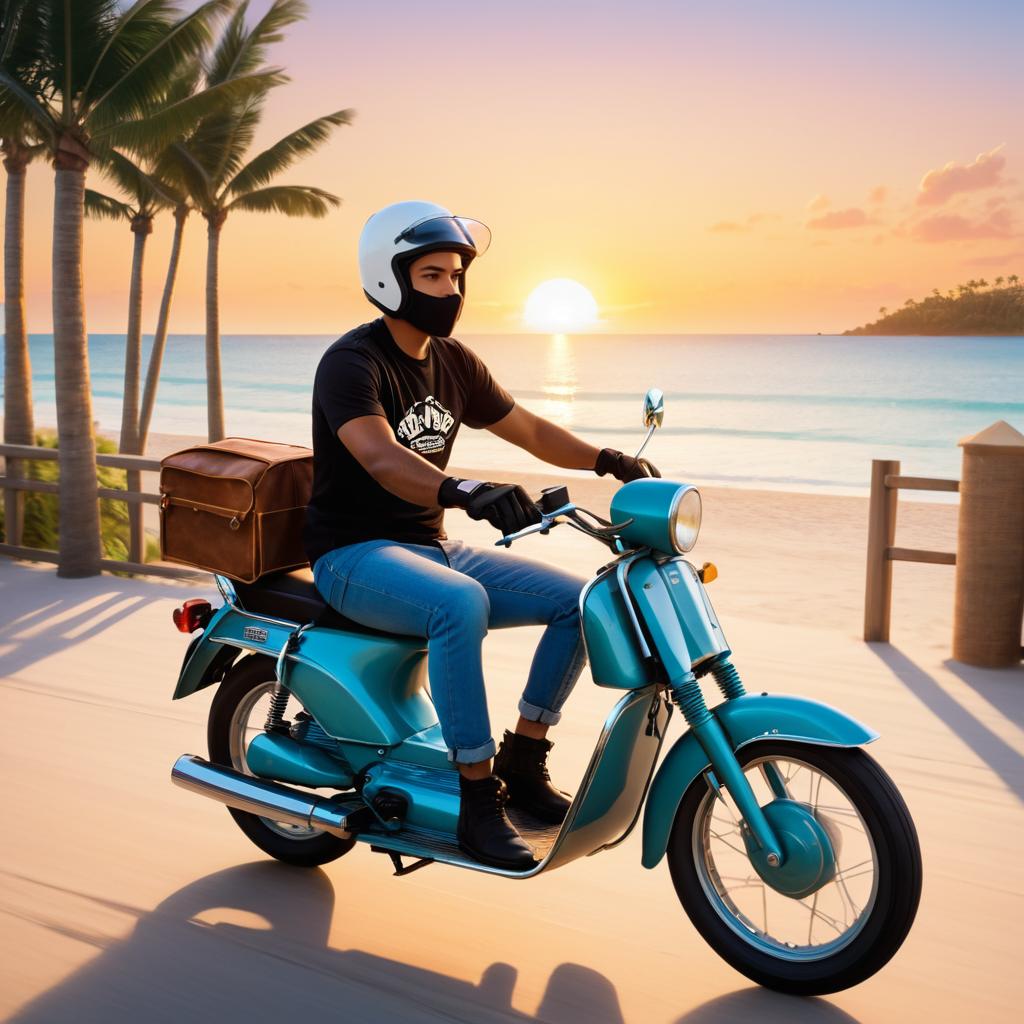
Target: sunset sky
727,167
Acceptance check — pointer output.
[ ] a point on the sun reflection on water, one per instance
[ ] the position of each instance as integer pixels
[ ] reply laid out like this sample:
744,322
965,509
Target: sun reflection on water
560,381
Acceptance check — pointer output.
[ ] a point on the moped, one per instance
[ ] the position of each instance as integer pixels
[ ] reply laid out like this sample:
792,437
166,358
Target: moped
790,849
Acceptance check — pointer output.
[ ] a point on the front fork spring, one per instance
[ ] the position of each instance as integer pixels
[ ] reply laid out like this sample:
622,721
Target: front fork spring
689,699
728,680
278,705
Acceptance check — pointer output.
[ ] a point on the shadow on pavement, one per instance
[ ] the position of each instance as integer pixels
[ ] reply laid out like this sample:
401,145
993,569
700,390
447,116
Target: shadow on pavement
992,749
252,943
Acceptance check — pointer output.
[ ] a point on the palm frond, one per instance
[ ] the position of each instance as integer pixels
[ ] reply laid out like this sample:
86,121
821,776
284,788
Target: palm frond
265,166
146,50
149,134
104,207
291,200
178,164
240,52
20,106
147,189
74,37
229,47
221,141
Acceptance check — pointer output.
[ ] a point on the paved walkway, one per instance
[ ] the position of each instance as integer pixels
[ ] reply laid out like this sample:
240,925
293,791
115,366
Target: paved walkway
125,898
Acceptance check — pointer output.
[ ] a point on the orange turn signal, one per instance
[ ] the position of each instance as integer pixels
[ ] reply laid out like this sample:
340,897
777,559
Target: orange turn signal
708,572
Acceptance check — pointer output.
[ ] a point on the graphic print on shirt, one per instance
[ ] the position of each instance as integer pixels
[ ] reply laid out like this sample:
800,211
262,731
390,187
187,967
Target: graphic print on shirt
426,426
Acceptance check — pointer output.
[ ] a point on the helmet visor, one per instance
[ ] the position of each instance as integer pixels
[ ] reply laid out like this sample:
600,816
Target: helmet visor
458,231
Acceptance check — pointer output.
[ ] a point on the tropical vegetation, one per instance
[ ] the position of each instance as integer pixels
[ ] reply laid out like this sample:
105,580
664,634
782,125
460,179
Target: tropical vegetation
211,164
142,93
40,513
975,307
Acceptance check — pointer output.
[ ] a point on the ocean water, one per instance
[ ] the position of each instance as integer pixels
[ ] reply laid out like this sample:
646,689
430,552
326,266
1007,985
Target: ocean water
789,412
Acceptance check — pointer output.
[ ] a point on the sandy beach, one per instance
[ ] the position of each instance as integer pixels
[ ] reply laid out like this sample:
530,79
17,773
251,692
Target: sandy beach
126,897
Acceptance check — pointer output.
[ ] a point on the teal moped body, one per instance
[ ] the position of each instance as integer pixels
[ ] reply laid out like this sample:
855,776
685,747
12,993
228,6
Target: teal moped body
649,630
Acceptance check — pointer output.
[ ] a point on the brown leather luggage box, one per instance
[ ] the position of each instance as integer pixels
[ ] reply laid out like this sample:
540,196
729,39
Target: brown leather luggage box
236,506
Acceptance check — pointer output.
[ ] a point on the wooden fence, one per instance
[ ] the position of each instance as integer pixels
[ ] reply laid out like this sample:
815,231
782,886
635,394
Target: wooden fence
13,483
886,482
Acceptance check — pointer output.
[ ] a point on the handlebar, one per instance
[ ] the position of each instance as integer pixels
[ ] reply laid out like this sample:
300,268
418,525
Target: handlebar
604,531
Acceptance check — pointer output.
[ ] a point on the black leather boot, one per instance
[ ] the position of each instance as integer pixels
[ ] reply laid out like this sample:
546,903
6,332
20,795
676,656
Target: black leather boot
484,831
522,762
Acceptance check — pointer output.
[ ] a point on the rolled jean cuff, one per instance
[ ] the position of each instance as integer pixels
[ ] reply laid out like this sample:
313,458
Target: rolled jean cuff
470,755
533,713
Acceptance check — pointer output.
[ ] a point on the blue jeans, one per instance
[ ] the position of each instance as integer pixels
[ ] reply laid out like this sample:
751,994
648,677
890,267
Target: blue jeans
451,594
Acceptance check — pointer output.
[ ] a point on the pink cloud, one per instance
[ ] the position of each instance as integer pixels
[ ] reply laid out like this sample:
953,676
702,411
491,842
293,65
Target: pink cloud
854,217
984,172
878,194
818,203
951,227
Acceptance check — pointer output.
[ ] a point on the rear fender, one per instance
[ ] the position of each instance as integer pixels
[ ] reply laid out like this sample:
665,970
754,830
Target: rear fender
214,651
745,719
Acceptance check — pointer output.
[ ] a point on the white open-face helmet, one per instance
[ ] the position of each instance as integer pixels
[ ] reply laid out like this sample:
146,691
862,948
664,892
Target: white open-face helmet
395,236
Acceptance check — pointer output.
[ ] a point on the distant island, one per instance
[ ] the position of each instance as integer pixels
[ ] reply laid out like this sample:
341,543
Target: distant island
972,308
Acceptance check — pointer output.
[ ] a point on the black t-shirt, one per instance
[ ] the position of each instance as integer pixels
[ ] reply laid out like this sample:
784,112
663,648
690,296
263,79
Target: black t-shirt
365,373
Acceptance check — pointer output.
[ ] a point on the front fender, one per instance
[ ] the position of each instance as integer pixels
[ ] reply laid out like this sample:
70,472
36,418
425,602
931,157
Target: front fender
745,719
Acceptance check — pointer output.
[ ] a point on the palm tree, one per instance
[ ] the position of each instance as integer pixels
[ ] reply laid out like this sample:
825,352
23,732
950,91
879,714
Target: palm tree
100,77
148,195
999,282
18,33
1013,279
211,165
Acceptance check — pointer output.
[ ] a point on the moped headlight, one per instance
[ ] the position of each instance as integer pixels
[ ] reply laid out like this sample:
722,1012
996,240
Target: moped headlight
659,514
684,519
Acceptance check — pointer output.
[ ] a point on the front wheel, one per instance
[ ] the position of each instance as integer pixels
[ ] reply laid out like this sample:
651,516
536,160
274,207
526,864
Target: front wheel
850,927
237,714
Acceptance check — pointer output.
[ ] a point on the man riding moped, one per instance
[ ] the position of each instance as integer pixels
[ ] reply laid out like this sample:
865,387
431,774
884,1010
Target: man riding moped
388,400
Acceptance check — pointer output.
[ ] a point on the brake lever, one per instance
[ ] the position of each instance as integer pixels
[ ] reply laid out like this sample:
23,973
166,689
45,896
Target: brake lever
607,528
544,526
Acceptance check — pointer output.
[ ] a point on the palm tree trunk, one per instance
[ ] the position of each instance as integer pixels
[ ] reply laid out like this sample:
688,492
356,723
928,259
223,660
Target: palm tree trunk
142,226
214,391
160,338
19,427
79,522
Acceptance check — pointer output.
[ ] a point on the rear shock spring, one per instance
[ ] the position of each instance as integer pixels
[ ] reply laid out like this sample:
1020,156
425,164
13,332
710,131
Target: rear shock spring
278,705
689,699
728,680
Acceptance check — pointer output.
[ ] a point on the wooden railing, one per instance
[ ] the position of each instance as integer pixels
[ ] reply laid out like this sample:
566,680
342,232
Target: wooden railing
14,484
886,482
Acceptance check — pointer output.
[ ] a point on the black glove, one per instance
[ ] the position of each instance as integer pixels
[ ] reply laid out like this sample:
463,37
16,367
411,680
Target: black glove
507,507
623,467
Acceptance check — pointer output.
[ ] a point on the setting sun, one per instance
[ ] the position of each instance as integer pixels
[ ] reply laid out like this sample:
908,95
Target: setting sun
560,304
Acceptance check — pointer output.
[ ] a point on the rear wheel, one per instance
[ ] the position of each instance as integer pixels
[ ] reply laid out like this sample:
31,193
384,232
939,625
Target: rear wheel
237,714
853,924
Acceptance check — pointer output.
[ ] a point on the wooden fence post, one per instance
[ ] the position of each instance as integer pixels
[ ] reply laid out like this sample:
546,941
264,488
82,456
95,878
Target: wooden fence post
881,535
14,502
136,531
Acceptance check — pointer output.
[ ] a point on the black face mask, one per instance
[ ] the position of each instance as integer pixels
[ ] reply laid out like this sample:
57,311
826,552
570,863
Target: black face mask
432,315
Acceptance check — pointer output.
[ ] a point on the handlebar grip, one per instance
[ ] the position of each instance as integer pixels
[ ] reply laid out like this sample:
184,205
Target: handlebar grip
552,498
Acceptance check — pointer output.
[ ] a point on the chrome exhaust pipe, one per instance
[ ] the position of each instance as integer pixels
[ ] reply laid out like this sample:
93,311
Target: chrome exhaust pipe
257,796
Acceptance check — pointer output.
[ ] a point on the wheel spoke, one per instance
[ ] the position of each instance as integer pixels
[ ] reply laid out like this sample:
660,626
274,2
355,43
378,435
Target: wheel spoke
797,929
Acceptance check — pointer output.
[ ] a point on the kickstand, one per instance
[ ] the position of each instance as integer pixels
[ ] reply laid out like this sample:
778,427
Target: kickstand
396,859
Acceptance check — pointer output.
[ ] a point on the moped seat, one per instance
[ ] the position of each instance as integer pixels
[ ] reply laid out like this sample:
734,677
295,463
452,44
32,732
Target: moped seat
293,595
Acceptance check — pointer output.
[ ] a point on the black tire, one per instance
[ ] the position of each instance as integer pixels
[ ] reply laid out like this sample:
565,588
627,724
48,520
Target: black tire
248,675
896,877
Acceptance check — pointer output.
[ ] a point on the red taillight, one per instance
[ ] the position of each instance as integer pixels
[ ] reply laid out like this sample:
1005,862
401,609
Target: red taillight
192,615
